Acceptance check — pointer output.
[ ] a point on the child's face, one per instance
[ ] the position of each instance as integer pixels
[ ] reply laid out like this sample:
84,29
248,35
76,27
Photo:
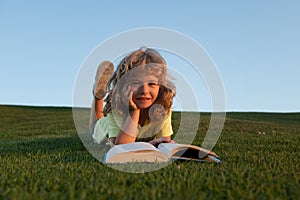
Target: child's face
145,90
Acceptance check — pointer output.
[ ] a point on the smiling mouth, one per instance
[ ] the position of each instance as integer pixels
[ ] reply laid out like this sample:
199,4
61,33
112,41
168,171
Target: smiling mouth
142,99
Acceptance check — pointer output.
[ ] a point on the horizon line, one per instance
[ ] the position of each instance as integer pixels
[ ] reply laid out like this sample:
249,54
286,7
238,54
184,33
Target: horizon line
85,107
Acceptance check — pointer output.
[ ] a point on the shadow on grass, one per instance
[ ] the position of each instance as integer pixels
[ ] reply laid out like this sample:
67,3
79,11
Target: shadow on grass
65,149
46,145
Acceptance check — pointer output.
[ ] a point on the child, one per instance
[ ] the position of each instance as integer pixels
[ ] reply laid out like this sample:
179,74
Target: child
139,100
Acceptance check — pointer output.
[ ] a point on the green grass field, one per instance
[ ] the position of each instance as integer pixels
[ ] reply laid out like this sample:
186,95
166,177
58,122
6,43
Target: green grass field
42,157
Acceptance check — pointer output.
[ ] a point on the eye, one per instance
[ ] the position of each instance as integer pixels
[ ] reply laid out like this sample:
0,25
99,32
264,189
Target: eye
153,84
135,84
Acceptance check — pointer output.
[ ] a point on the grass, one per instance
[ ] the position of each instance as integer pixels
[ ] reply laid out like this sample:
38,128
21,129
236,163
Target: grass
42,157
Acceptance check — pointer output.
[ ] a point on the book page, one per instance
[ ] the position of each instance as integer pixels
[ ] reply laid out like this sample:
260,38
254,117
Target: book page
171,149
167,148
130,147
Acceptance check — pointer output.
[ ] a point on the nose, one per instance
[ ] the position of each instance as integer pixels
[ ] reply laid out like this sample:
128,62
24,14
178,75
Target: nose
143,89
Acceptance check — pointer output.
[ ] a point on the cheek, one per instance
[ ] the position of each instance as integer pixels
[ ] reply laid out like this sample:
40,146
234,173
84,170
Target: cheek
155,92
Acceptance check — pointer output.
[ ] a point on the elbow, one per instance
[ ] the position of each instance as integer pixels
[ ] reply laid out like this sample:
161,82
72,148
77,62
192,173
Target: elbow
124,138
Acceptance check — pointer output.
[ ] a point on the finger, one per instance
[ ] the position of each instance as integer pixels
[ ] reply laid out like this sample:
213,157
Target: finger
129,92
153,142
172,142
131,102
162,139
159,140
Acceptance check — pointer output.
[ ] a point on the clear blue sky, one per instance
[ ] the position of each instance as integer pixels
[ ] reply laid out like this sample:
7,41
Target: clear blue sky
255,46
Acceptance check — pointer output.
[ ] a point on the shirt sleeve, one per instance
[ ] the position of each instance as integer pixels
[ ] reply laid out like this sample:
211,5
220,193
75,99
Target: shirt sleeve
167,127
114,122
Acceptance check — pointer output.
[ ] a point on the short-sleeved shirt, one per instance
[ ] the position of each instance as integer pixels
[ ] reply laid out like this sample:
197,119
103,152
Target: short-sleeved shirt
111,125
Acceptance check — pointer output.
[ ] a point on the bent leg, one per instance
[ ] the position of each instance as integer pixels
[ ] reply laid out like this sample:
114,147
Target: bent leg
96,111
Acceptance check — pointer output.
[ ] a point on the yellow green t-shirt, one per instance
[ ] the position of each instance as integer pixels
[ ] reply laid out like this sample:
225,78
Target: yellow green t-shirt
111,125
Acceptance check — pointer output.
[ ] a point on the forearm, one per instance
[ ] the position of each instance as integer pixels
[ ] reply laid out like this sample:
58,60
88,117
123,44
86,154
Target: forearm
157,141
129,130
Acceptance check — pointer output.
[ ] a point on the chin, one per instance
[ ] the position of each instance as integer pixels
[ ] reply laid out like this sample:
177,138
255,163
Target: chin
144,106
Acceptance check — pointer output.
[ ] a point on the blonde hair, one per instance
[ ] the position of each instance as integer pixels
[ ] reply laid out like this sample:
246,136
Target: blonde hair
151,61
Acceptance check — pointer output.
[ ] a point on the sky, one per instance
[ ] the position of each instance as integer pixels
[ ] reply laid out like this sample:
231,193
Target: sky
254,45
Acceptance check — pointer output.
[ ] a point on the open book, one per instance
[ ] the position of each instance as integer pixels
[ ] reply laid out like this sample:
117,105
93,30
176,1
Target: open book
146,152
